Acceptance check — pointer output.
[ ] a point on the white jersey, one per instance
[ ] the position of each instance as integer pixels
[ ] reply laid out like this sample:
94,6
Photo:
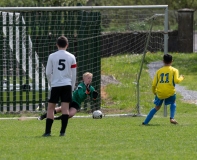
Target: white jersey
61,69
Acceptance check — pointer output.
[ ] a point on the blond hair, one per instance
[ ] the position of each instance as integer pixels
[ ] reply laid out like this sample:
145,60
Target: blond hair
87,74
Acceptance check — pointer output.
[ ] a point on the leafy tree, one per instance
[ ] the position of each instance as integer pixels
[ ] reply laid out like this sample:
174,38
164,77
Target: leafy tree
30,3
173,5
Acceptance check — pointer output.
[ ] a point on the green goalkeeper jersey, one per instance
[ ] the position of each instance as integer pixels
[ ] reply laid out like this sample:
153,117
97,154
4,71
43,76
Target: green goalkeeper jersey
79,95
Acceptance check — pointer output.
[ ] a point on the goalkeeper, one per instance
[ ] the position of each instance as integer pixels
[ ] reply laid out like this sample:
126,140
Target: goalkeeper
83,90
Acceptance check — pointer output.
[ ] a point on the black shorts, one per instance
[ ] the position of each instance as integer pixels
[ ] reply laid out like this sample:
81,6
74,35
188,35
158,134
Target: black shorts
63,93
74,105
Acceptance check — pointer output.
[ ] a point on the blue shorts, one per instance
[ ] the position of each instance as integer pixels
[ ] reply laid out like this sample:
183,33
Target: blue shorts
167,101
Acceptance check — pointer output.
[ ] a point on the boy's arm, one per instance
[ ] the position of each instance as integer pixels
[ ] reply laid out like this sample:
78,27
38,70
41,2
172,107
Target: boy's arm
94,94
154,84
49,71
177,78
73,78
82,95
73,68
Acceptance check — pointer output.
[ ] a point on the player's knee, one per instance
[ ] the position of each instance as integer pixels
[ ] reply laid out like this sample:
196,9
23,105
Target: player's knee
58,109
173,105
157,107
70,116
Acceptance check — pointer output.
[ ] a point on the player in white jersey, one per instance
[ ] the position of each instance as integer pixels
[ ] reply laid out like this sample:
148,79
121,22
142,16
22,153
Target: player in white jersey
61,75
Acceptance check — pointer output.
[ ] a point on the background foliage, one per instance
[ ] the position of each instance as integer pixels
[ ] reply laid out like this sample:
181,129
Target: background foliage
174,5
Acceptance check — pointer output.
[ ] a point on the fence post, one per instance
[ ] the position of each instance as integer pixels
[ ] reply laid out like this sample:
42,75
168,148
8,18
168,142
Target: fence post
97,56
26,16
7,55
33,36
185,30
40,51
21,27
15,25
1,62
80,46
46,53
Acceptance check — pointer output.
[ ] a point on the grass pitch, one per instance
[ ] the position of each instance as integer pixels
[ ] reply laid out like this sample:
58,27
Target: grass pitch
112,138
117,138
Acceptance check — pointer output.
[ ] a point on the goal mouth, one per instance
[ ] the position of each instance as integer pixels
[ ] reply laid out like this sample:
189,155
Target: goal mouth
107,41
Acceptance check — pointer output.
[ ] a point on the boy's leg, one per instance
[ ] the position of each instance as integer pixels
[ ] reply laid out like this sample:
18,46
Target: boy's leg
150,115
64,122
45,114
172,113
49,121
172,101
58,109
172,110
64,118
158,102
72,112
58,118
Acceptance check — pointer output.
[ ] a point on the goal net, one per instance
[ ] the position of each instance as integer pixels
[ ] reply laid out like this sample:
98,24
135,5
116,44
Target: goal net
110,42
129,37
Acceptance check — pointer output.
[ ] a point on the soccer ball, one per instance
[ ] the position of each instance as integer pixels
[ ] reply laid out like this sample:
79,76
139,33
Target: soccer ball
97,114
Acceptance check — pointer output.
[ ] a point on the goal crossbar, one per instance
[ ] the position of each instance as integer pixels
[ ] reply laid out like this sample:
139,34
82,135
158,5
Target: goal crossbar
81,7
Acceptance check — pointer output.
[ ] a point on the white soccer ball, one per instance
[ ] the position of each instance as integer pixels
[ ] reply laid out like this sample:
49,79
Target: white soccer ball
97,114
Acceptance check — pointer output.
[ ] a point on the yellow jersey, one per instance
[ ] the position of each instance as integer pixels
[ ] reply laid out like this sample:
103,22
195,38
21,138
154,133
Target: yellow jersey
164,81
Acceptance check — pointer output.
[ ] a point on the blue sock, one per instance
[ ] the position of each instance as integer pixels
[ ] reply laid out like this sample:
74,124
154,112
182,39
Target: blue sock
150,115
172,110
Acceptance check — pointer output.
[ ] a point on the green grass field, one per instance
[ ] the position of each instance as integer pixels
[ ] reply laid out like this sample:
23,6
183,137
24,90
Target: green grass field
108,138
112,138
125,68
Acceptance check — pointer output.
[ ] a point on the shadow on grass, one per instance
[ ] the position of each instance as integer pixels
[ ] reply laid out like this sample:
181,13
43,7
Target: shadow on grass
151,125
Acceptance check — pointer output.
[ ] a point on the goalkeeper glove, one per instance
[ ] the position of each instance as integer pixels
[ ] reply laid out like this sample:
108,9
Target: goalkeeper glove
94,95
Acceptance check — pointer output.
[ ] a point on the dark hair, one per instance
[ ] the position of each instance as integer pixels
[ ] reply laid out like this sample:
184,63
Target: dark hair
62,41
167,58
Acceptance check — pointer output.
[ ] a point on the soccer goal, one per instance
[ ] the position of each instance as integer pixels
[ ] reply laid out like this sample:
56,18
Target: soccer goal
109,41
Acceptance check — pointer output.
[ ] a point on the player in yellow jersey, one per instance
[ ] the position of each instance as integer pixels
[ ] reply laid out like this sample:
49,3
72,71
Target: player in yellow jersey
163,87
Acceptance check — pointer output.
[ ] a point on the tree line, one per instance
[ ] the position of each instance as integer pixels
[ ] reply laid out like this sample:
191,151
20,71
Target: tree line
173,5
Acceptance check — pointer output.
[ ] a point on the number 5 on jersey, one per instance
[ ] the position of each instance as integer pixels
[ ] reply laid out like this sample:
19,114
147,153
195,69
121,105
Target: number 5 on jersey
62,64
